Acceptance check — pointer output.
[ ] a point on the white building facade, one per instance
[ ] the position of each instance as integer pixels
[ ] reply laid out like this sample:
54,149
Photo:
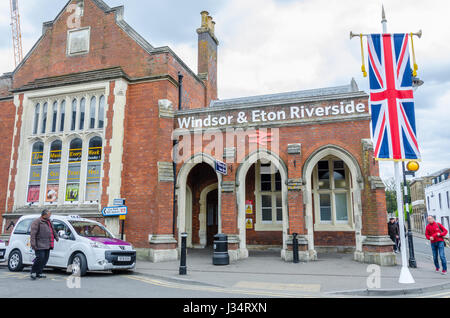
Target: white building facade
437,196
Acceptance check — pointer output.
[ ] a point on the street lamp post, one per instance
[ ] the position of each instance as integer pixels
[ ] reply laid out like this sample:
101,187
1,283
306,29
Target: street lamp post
412,259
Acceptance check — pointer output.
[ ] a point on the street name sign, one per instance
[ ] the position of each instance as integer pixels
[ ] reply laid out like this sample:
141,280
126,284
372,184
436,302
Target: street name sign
221,167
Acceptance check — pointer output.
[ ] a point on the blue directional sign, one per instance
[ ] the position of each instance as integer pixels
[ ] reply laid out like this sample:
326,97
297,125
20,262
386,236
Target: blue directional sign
119,202
115,211
221,167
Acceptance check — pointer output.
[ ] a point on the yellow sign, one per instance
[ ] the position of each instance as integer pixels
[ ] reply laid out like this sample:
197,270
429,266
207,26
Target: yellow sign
122,217
248,207
249,224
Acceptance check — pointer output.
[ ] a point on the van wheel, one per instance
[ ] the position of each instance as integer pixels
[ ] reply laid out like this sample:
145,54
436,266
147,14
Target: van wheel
15,261
78,265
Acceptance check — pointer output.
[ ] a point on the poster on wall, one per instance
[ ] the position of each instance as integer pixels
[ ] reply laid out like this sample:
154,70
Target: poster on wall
248,207
52,193
249,224
33,193
72,192
92,192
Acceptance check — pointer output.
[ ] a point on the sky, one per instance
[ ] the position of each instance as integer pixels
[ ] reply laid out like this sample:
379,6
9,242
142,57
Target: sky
273,46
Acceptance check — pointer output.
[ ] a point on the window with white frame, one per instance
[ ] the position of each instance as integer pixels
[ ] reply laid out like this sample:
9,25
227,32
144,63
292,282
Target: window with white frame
72,136
34,181
448,201
74,171
53,174
269,207
93,175
331,190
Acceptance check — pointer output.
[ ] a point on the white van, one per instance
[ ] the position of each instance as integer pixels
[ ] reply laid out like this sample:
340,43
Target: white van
2,251
83,244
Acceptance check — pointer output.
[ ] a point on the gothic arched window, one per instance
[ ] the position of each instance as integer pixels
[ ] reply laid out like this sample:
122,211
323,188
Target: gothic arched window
34,183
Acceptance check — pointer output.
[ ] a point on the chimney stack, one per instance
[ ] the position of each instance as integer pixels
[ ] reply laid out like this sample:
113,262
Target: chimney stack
207,56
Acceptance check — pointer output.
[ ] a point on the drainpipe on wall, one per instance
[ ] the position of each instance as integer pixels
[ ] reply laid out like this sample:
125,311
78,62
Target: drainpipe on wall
180,90
175,143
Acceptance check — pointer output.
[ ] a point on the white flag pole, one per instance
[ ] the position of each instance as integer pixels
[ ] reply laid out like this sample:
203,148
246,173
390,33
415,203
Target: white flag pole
405,274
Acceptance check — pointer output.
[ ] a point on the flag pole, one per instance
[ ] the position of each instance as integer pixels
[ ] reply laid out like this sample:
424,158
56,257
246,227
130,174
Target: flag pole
405,274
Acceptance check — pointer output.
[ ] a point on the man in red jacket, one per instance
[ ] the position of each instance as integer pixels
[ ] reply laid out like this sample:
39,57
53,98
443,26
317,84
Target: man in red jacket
435,232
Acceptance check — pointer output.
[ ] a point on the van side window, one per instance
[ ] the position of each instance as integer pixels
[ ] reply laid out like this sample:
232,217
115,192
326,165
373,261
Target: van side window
60,226
23,228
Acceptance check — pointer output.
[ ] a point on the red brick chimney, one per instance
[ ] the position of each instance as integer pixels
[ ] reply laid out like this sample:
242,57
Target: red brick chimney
207,56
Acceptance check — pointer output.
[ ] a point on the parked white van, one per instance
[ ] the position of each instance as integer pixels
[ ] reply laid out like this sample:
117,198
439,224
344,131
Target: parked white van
83,244
2,251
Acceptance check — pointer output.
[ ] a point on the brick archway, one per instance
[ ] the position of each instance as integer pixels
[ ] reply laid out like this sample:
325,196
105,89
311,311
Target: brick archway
356,189
182,177
240,181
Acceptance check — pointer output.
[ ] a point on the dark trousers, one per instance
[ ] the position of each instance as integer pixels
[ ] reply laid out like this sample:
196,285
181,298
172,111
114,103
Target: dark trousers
40,261
397,243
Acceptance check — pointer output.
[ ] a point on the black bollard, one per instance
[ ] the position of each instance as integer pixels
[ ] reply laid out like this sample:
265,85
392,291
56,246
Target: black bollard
295,248
183,268
221,256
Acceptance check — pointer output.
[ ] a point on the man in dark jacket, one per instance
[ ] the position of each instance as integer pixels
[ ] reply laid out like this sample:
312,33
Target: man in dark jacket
42,240
394,233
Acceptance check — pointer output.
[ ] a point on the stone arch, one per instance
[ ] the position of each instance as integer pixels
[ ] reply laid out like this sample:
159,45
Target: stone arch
241,174
358,185
181,183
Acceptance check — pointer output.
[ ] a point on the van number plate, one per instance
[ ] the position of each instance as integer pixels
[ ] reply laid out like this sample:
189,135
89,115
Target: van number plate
124,258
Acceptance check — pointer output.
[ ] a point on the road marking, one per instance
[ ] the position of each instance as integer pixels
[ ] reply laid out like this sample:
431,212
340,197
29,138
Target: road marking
278,286
214,289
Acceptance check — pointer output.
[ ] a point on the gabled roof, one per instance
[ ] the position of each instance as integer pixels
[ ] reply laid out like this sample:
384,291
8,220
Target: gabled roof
118,11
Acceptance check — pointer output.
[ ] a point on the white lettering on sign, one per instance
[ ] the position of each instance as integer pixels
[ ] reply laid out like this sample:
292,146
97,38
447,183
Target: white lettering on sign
261,116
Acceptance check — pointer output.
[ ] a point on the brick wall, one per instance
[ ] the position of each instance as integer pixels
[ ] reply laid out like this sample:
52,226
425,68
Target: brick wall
15,157
7,120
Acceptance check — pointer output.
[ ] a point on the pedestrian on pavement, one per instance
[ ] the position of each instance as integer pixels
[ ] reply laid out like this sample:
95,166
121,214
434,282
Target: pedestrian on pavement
394,234
399,242
42,240
435,233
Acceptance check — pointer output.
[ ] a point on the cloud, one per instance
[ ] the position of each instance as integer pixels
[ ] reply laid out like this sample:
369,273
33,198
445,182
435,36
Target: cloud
270,46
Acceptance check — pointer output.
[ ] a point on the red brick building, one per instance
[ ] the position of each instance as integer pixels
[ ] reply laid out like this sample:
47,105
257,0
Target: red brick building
91,114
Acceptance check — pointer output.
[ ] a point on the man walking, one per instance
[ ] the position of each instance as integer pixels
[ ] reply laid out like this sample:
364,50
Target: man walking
435,232
42,240
394,234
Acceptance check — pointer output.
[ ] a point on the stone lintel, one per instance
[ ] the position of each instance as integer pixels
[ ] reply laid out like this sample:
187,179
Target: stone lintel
367,144
376,183
166,109
294,149
295,184
165,172
228,186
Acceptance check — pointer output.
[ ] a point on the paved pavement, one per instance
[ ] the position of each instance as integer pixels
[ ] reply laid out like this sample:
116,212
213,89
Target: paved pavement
265,270
263,275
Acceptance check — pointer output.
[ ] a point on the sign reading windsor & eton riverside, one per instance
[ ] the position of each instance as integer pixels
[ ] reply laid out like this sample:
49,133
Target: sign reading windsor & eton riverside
272,115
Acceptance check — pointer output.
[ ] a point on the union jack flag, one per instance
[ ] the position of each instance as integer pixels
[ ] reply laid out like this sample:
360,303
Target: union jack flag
392,98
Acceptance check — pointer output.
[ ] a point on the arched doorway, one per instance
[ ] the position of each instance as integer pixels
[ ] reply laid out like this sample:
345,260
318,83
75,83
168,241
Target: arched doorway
212,217
209,213
270,201
333,200
196,180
